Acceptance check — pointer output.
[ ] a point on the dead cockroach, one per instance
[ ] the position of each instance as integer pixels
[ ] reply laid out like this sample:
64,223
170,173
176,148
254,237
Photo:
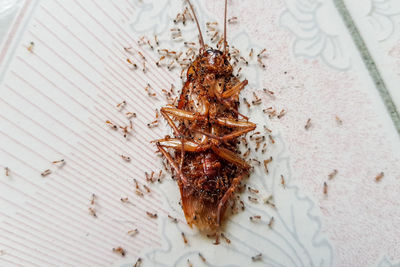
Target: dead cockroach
256,257
46,172
139,193
208,171
308,124
283,181
120,251
7,171
138,262
332,174
379,177
151,215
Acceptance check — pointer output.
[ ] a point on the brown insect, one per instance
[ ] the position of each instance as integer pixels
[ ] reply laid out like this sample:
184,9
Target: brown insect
206,126
120,251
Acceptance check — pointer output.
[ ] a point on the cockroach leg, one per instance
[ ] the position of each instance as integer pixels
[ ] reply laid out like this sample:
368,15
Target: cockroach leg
230,156
172,163
188,146
235,89
224,199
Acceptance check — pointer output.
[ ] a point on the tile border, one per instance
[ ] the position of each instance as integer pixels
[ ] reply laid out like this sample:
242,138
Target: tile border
369,62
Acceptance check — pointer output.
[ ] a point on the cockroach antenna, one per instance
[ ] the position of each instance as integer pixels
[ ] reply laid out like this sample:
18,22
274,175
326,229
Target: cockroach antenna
226,11
198,25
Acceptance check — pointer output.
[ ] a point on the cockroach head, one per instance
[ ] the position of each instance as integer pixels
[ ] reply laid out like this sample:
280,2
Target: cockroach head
212,61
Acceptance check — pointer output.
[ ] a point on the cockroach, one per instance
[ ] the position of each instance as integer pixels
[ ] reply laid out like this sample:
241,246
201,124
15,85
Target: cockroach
256,257
283,181
332,174
46,172
130,115
120,251
7,171
206,125
379,177
189,263
138,262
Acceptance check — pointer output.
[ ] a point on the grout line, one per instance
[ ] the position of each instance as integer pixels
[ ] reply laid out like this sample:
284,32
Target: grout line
369,63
